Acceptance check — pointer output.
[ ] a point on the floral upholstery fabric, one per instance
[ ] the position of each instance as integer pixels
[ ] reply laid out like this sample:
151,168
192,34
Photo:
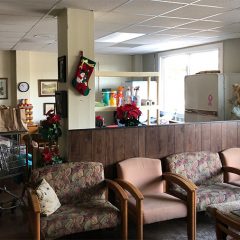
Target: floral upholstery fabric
200,167
73,218
73,181
80,188
216,193
205,170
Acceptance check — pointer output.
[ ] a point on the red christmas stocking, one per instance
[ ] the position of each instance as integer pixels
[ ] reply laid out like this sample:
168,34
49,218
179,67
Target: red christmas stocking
83,73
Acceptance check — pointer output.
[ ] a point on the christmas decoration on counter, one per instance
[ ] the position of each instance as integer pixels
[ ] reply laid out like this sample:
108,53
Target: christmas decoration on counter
50,128
99,121
128,114
82,76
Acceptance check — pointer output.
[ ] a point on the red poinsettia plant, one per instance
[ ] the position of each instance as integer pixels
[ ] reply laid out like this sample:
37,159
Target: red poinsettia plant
50,127
129,114
50,155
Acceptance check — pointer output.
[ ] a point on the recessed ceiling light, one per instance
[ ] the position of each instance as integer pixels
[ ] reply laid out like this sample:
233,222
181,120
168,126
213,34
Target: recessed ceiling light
119,37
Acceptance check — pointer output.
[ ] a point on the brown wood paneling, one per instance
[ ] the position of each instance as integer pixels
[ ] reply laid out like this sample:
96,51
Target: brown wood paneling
216,137
141,142
189,138
131,143
206,134
152,142
110,146
99,146
170,144
179,138
198,137
229,134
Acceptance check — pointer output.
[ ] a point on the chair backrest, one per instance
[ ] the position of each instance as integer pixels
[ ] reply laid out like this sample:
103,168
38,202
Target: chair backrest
73,181
231,158
144,173
200,167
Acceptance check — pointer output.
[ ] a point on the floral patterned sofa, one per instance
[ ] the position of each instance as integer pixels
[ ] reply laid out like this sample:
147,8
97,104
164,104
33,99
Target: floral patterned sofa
81,189
205,170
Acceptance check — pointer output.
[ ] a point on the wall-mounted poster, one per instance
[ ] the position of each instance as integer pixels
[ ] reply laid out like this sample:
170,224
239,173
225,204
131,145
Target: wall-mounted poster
47,107
3,88
47,88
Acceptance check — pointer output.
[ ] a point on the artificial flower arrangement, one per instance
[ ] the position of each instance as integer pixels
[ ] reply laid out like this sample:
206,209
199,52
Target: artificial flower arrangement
129,114
50,128
50,155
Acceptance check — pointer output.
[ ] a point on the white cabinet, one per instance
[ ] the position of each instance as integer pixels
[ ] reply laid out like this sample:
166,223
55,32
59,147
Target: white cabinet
148,76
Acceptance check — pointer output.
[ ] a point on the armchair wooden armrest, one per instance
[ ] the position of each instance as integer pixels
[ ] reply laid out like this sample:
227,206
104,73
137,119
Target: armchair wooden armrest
190,188
183,182
231,170
138,213
122,196
34,213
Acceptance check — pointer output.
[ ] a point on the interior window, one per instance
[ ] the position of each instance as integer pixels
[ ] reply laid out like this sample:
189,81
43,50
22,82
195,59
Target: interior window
173,69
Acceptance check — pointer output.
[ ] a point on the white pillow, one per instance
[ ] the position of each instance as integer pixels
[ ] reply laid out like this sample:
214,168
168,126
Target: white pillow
48,199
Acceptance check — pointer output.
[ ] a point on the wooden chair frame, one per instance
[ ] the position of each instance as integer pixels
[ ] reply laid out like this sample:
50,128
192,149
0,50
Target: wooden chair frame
34,210
189,187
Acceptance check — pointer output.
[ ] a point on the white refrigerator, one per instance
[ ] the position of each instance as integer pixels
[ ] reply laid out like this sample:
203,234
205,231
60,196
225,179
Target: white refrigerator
207,96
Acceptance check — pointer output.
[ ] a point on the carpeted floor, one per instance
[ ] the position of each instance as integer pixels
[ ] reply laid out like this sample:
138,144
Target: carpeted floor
14,227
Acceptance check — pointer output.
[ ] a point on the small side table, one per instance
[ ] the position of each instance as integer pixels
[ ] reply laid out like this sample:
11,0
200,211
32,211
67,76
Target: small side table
227,223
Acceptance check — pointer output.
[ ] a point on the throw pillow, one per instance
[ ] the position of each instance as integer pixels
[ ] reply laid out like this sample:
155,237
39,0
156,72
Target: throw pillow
48,199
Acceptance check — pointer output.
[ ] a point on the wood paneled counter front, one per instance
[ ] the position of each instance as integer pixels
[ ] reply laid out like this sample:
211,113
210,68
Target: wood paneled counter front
111,145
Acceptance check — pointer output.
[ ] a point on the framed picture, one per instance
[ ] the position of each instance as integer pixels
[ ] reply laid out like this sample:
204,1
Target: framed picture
47,107
61,103
3,88
47,88
62,69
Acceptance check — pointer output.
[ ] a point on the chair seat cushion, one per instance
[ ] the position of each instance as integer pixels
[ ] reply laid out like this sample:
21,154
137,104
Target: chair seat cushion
73,218
216,193
161,207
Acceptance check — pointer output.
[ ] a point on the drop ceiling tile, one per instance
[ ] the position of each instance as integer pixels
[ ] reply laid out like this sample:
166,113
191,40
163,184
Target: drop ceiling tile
227,17
203,25
143,29
231,28
95,5
166,22
147,7
26,7
195,12
18,20
177,1
206,34
179,31
7,34
150,39
226,4
13,28
114,17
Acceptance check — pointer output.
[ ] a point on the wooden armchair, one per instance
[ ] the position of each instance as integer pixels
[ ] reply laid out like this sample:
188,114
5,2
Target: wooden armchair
149,201
82,192
231,164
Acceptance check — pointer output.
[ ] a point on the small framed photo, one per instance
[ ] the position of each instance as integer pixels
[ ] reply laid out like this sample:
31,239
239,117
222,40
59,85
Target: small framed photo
47,107
62,69
47,88
3,88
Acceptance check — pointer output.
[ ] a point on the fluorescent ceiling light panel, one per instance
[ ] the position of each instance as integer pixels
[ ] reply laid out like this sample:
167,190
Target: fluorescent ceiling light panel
119,37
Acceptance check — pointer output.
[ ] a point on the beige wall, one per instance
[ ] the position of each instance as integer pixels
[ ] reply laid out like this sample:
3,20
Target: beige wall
7,70
42,66
231,55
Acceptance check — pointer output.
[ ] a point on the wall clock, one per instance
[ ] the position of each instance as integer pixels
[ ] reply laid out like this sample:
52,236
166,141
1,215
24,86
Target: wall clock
23,86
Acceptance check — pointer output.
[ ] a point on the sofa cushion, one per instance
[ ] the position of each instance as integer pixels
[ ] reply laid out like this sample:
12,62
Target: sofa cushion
160,207
48,199
216,193
73,181
200,167
73,218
